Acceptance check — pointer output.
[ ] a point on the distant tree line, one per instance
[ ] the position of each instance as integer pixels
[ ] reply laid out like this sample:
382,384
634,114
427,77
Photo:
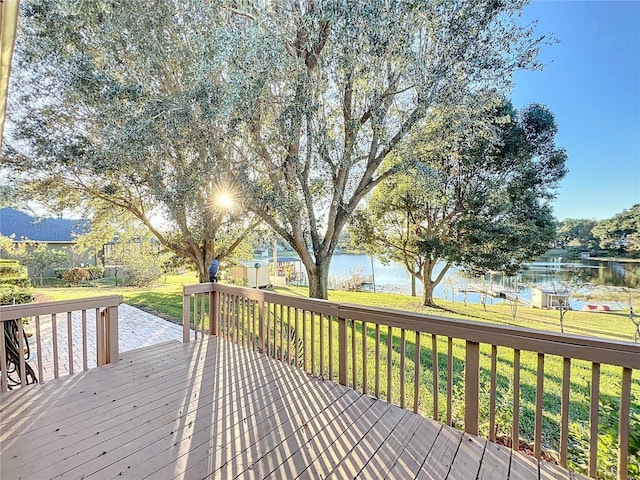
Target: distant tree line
618,235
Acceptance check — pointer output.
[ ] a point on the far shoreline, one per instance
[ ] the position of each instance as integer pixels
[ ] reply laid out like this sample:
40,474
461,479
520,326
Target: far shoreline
614,259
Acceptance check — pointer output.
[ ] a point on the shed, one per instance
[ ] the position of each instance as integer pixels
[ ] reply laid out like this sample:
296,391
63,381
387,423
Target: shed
289,272
548,298
248,274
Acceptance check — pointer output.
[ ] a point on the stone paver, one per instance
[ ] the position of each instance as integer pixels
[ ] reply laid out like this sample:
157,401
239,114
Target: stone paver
137,329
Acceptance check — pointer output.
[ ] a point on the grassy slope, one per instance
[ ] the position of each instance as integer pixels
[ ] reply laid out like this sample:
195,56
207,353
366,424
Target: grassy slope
165,299
614,325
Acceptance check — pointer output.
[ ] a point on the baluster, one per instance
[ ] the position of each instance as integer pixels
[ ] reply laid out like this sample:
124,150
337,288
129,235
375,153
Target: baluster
364,357
403,352
434,363
70,341
564,406
537,449
85,353
39,347
416,375
389,360
492,394
515,433
593,420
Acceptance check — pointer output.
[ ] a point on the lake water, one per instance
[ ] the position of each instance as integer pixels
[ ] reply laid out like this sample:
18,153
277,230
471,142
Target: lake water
393,277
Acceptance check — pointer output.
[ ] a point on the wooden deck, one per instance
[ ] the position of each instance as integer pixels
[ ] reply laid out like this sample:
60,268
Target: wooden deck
213,409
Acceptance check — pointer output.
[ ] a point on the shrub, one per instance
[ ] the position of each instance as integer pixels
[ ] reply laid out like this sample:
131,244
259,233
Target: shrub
95,272
12,273
76,276
10,269
10,295
141,274
18,281
59,272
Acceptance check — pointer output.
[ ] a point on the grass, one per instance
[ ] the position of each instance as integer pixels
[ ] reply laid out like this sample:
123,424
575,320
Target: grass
165,300
612,325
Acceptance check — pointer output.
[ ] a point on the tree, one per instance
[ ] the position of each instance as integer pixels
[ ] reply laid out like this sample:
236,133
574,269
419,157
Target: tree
337,86
142,105
127,112
137,256
473,191
40,258
564,292
621,232
579,231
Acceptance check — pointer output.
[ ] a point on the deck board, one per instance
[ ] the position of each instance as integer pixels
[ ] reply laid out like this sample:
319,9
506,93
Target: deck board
213,409
496,461
468,458
325,440
438,462
416,450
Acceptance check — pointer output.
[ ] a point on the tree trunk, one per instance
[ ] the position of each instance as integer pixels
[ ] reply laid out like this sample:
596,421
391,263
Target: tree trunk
413,286
373,275
428,284
200,260
318,275
203,276
427,293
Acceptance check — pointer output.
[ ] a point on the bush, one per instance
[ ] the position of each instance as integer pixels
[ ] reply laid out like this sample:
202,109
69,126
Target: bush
10,268
10,295
12,273
141,274
18,281
76,276
95,272
59,272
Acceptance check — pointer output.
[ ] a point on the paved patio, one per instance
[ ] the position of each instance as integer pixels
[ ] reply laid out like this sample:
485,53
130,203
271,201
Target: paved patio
137,329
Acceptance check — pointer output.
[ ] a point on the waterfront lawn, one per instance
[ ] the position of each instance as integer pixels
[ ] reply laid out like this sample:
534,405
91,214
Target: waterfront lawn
165,300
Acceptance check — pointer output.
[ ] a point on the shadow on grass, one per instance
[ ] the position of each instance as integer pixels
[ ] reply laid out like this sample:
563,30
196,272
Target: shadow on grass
164,305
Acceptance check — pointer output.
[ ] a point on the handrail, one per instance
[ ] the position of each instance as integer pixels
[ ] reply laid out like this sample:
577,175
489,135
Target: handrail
613,352
103,309
11,312
316,335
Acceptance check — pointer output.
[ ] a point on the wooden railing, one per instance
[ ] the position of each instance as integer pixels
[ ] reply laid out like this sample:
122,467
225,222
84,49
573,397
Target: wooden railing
54,326
445,368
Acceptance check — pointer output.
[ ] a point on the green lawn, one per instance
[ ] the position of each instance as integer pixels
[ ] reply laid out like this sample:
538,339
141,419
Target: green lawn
165,298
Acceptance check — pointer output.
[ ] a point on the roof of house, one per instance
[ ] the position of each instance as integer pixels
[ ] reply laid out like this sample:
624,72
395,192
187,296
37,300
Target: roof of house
21,226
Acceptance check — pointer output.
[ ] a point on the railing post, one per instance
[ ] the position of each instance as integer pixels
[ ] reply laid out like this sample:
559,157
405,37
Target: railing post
4,380
111,343
100,338
342,351
623,425
261,332
186,317
214,313
471,386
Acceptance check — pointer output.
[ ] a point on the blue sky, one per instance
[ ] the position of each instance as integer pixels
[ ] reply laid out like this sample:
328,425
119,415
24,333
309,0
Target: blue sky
592,84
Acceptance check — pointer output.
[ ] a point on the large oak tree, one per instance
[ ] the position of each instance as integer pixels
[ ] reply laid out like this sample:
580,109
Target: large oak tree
346,84
142,103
